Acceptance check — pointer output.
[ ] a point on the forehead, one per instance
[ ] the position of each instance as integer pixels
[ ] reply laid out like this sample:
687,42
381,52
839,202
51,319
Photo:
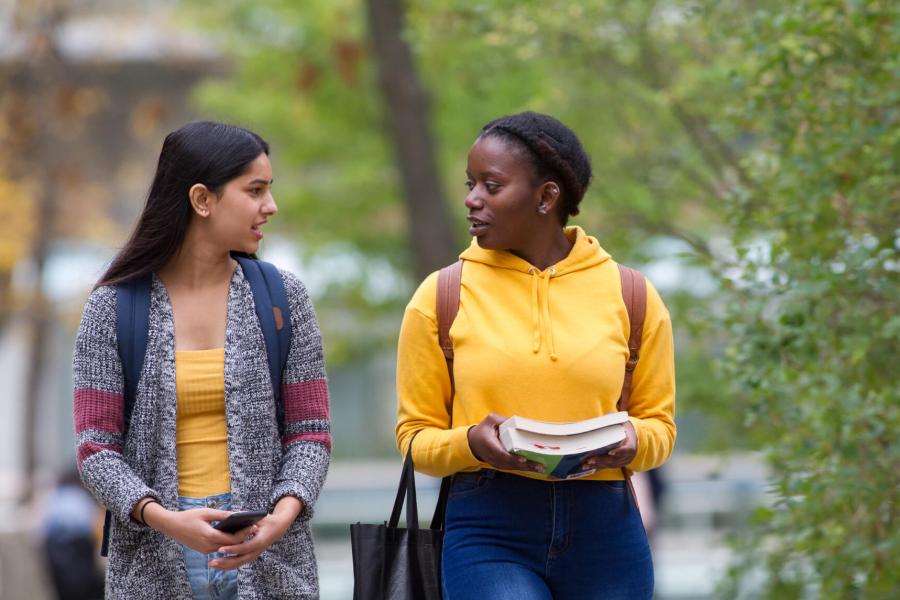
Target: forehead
493,153
259,168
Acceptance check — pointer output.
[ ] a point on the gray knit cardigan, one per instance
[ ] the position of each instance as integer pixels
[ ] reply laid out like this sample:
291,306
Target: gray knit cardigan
264,465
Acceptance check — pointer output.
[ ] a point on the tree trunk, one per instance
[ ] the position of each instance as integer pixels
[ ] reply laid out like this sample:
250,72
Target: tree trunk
433,244
43,78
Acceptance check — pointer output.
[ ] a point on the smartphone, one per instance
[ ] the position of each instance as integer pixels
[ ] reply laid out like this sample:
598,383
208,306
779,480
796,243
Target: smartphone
239,520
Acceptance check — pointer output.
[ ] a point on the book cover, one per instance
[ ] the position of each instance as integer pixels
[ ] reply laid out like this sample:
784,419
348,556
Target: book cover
562,447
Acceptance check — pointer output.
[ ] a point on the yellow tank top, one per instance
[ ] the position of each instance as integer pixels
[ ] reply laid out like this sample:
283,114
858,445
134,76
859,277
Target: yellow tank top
201,433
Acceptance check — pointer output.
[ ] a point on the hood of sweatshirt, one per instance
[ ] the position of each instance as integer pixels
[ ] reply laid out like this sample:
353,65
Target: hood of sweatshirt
586,253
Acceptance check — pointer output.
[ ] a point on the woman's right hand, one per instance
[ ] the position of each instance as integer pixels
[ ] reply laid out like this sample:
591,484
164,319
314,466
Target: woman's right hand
484,441
193,528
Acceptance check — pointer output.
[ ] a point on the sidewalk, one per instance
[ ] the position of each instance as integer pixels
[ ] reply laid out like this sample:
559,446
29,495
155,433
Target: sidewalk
21,569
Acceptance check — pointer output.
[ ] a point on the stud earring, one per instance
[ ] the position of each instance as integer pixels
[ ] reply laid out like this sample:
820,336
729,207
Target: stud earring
542,209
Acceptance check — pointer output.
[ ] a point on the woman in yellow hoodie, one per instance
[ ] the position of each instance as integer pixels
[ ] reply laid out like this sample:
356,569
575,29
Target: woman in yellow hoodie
541,332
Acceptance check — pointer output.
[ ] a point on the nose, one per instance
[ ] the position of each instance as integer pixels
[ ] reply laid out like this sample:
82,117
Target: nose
269,207
473,199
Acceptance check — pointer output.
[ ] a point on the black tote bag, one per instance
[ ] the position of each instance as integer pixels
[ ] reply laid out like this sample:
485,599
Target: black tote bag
397,563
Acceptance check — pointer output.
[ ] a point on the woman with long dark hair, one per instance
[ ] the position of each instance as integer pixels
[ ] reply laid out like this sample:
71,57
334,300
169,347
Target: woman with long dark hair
542,332
204,436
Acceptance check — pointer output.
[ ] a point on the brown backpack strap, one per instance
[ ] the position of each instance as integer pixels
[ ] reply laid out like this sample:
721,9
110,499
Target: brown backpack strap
634,294
449,279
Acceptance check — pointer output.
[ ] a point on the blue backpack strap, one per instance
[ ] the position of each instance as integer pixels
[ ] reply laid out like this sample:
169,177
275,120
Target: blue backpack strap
274,312
132,328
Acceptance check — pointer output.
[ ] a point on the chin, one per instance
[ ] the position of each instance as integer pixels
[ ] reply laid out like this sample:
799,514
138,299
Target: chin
247,248
484,242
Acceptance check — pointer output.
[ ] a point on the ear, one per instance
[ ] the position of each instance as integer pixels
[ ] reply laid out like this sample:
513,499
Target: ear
200,198
549,197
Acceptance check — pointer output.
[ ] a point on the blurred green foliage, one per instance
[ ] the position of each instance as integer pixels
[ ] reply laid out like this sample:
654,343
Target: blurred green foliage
760,139
304,77
812,316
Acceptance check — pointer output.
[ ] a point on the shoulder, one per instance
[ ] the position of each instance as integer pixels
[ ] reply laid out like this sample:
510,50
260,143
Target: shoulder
294,287
656,308
656,311
424,300
100,304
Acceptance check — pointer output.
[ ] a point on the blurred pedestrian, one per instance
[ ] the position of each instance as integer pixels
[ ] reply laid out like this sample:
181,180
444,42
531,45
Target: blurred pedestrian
203,438
541,332
69,525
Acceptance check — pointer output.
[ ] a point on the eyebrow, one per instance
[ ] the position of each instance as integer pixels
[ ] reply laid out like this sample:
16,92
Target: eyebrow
267,182
488,173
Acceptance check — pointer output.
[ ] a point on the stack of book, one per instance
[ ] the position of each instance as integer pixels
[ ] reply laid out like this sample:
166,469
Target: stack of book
562,447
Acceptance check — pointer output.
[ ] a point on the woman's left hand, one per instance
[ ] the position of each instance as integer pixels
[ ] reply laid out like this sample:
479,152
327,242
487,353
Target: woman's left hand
260,536
618,457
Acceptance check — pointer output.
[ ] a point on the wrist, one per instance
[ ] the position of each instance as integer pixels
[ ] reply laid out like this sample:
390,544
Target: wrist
155,515
288,508
471,447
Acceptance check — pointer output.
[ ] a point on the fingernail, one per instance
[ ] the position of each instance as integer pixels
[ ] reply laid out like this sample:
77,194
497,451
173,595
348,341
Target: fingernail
522,459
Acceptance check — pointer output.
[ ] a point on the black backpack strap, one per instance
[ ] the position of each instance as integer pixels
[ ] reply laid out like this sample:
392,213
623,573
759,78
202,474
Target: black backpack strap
274,313
132,329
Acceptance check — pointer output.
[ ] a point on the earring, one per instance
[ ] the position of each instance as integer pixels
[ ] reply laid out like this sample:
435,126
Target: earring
542,209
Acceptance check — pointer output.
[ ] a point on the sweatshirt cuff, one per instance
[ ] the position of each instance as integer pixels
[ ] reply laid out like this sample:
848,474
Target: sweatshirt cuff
460,449
641,430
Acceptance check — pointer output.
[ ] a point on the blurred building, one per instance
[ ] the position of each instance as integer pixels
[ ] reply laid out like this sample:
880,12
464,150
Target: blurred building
81,124
88,90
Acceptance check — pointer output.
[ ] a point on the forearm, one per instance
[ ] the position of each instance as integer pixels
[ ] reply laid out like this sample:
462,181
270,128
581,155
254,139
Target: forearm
655,442
114,484
303,470
437,452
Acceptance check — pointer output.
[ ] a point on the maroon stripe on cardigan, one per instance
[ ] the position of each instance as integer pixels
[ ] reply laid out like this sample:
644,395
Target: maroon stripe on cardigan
319,437
88,449
305,400
98,410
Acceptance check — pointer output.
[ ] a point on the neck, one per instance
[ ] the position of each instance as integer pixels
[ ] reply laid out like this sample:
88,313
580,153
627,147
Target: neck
547,249
197,264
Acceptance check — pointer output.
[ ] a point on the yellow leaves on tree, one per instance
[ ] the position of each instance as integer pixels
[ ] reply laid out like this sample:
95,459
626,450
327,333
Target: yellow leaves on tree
17,223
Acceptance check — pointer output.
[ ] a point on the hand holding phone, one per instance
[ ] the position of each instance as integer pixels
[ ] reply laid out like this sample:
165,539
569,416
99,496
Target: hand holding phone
239,520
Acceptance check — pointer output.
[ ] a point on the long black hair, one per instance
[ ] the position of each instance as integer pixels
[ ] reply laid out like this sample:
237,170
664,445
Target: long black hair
201,152
554,151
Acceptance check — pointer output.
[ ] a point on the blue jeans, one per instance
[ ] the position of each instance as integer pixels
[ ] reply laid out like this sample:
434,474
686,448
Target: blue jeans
208,584
512,538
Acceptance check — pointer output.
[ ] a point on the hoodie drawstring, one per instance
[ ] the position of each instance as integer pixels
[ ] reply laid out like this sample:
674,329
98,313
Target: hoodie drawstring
540,312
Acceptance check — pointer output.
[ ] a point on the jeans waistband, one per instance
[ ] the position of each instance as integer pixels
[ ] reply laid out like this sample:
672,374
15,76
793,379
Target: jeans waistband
215,501
494,474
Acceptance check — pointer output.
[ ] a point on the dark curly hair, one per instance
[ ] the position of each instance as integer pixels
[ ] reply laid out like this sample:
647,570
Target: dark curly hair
554,151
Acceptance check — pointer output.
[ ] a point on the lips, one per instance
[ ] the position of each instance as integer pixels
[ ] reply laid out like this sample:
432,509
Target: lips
256,231
478,226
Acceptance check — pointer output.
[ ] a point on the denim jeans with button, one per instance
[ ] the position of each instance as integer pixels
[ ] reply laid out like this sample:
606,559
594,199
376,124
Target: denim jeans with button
509,537
207,583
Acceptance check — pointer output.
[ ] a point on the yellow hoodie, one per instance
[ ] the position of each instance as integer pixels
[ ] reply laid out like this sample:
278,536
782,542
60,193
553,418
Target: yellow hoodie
548,345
